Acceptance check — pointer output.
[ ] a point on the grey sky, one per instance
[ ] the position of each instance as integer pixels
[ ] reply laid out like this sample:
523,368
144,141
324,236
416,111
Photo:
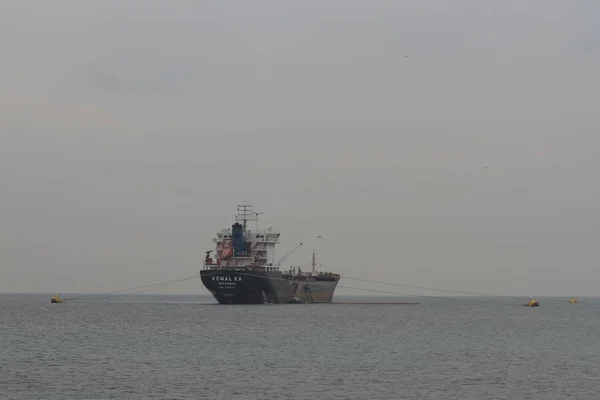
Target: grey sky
130,127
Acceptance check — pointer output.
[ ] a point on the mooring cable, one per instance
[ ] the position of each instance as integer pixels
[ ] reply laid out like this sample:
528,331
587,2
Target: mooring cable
363,289
146,288
419,287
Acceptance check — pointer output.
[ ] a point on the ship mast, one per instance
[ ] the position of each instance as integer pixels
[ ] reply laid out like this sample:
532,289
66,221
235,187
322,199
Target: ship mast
256,214
245,214
314,263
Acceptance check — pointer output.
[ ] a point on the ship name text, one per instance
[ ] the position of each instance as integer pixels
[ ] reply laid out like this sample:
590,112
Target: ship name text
227,278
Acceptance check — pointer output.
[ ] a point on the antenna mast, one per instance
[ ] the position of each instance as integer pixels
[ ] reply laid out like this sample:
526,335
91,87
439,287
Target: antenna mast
314,263
244,214
256,214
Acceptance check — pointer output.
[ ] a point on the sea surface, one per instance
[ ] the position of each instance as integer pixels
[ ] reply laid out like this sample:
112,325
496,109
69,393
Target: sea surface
185,347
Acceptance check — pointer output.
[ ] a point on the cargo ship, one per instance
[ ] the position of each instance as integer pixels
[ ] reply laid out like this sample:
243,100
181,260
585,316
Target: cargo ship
244,270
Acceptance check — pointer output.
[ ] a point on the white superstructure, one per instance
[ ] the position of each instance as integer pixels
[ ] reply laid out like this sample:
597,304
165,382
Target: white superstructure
258,246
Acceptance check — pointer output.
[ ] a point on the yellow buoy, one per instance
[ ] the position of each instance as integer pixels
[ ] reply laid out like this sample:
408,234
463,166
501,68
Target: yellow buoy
573,300
533,303
56,299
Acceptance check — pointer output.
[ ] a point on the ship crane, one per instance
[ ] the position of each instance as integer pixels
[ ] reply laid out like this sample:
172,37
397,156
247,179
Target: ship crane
278,263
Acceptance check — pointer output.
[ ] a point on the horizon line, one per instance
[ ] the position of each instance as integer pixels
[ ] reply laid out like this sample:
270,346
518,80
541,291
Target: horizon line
340,295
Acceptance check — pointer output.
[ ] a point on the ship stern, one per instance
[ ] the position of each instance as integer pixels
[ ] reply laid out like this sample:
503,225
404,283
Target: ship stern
236,287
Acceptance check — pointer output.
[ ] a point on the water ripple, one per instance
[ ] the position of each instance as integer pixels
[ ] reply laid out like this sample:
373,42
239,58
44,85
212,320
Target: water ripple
436,350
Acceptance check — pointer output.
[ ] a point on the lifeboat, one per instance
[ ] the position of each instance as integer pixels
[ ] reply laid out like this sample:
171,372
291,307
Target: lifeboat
226,253
573,300
226,250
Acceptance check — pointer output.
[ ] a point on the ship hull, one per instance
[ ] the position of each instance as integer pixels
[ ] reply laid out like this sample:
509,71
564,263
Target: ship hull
261,287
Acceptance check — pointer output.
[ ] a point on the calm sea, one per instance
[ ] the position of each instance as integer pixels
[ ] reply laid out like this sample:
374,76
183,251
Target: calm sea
184,347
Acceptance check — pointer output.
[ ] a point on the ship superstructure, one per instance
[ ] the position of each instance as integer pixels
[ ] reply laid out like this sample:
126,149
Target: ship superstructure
245,270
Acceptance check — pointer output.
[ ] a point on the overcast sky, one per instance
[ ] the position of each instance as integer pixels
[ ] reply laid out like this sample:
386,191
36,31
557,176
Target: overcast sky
446,144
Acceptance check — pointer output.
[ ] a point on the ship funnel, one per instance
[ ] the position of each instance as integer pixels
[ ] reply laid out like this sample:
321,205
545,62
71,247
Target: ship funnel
239,242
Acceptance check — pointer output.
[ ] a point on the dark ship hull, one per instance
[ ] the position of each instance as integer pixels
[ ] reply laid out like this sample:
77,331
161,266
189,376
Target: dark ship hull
233,286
